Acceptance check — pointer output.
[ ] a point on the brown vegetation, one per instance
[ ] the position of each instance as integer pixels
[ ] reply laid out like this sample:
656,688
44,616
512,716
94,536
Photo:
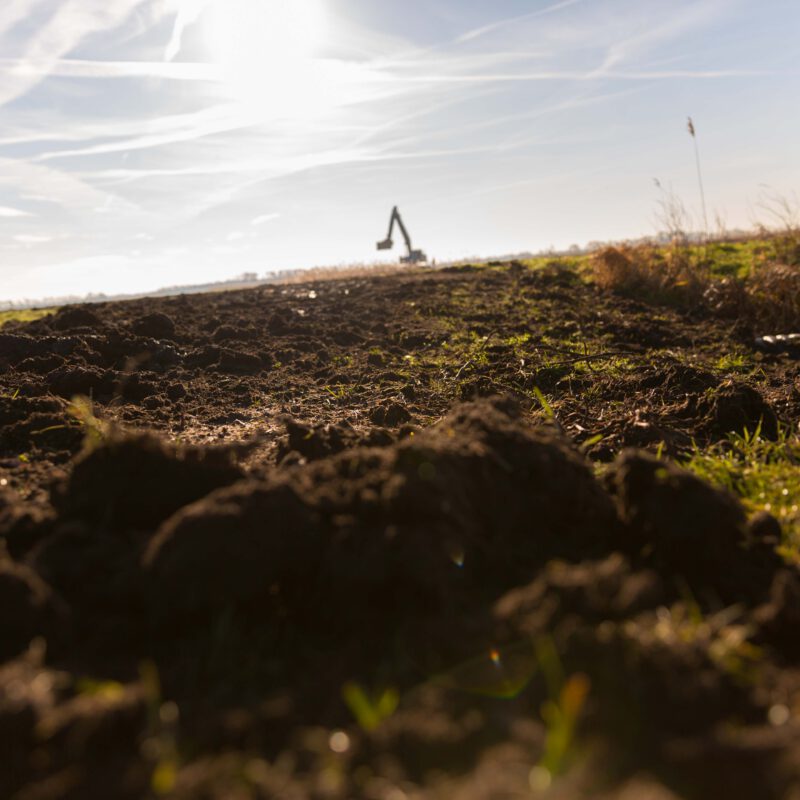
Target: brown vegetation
768,298
651,274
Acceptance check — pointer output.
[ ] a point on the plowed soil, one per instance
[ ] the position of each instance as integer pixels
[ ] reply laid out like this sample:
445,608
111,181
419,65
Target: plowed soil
409,536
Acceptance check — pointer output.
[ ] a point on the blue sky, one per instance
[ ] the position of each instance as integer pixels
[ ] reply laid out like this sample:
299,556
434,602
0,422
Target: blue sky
146,143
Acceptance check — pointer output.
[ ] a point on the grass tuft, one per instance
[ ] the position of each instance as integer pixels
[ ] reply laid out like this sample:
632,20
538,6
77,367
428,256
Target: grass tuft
764,474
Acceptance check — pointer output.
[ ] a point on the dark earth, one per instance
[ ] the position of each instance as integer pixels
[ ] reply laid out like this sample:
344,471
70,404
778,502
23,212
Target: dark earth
412,536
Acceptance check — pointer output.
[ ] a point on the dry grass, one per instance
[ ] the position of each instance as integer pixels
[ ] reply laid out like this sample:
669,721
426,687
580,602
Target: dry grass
347,271
768,298
773,291
671,277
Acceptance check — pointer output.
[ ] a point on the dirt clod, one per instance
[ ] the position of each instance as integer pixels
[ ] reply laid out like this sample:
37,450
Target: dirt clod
136,481
736,408
73,317
687,528
155,325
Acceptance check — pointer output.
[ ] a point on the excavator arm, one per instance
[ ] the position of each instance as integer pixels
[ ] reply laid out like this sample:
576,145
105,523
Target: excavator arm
387,243
414,256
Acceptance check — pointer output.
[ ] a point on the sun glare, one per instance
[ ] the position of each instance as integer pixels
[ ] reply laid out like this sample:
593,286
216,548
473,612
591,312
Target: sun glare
266,50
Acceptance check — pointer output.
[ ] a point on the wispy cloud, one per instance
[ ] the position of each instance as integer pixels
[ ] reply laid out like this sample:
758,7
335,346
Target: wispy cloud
57,34
590,75
190,127
262,219
13,213
26,68
662,28
56,189
65,128
29,239
476,33
263,165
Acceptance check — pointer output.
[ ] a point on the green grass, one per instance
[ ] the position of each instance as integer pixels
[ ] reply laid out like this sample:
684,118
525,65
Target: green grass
739,362
741,259
737,259
25,315
730,259
563,262
764,475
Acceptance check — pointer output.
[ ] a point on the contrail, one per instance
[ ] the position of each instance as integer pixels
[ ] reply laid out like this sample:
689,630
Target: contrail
474,34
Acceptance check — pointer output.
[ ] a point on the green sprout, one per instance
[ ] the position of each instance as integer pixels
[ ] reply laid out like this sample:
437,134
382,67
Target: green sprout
369,710
560,713
95,430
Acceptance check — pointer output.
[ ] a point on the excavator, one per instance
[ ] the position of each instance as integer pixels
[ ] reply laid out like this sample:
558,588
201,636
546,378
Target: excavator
414,256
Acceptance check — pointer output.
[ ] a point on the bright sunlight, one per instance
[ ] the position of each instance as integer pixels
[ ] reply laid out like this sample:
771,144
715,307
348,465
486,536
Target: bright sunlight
267,50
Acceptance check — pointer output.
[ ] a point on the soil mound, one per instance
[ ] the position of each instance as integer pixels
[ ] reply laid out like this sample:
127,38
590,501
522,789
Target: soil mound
688,529
736,408
463,510
74,317
68,381
315,442
156,325
135,481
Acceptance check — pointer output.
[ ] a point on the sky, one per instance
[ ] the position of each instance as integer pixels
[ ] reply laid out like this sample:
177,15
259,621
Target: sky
151,143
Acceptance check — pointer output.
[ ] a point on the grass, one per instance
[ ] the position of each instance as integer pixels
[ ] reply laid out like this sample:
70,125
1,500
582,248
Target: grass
25,315
738,362
765,475
732,259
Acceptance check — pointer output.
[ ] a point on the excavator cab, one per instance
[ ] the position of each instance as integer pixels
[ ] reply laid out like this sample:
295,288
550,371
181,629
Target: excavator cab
413,256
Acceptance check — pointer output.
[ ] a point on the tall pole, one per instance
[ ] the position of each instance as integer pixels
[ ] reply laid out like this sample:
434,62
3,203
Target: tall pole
693,134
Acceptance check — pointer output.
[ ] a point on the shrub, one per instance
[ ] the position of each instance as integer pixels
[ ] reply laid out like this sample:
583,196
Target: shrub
671,277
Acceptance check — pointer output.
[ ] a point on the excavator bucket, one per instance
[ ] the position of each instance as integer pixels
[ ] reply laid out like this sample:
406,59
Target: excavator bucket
386,244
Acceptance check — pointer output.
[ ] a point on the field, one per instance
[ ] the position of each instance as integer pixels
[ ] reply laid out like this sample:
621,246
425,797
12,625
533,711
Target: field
524,529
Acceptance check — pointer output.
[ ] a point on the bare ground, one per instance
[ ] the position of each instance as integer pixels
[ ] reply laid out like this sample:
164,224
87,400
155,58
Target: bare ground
382,537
